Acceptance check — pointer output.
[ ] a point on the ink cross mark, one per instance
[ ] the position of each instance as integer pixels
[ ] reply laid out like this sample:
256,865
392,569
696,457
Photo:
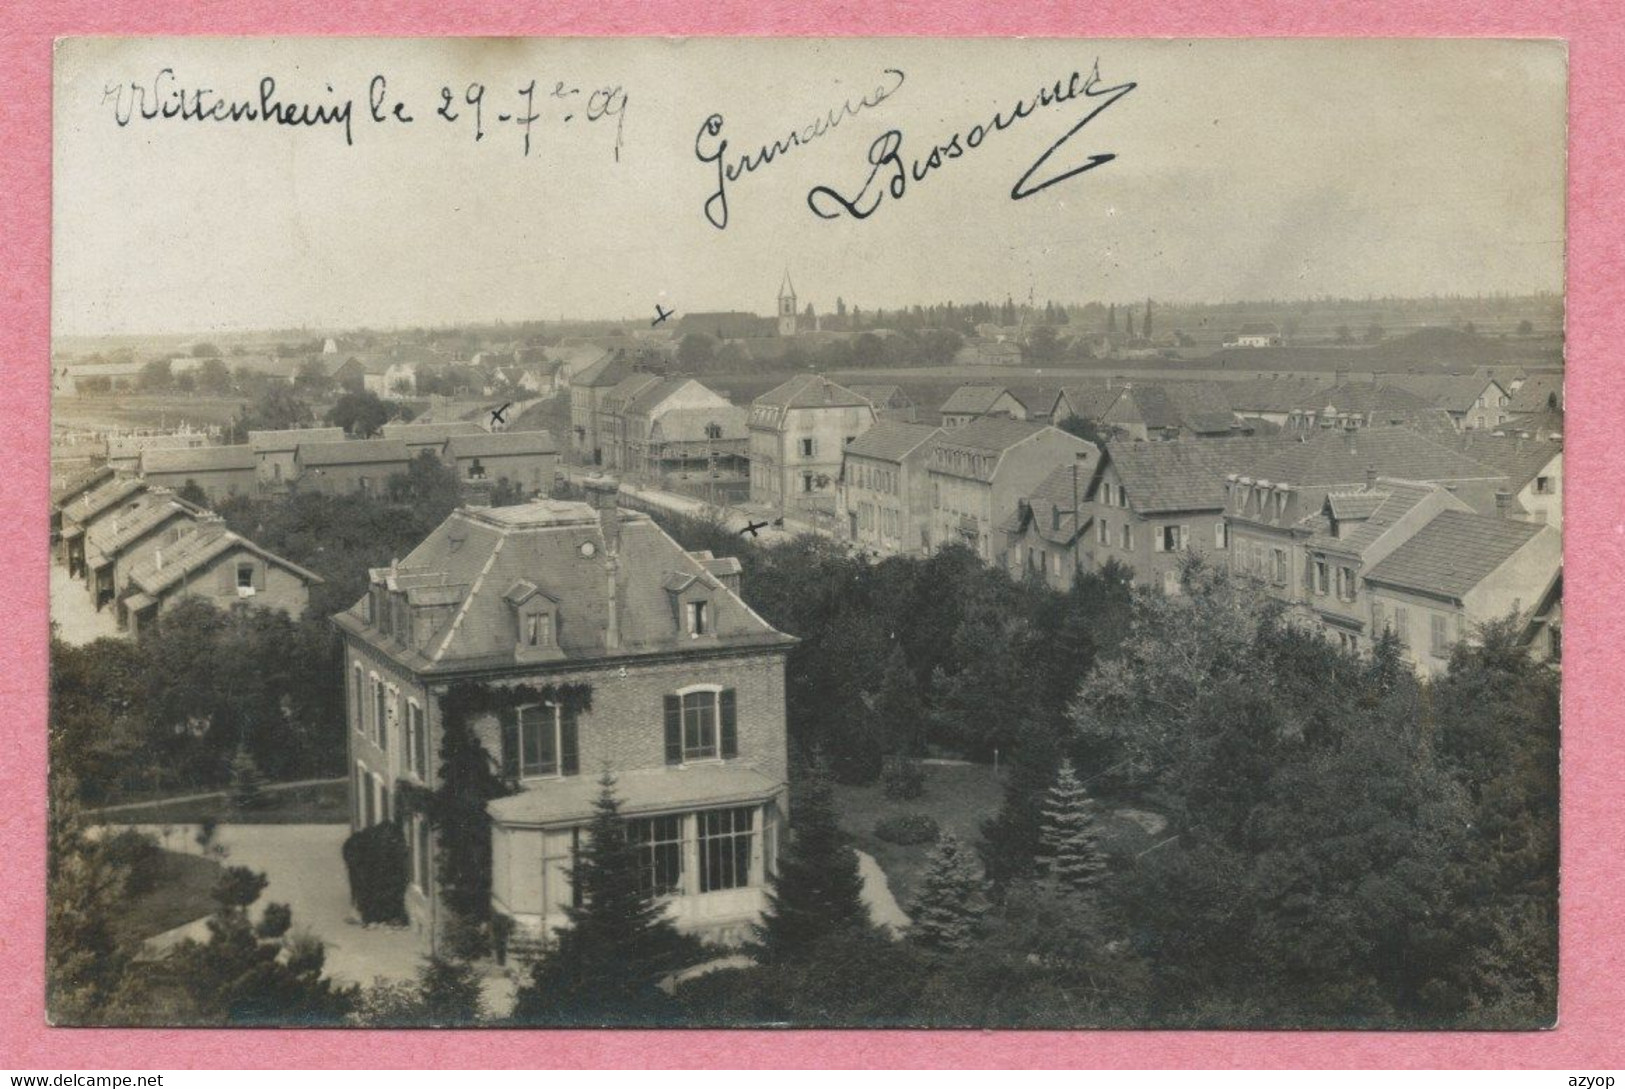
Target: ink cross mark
752,527
661,314
496,414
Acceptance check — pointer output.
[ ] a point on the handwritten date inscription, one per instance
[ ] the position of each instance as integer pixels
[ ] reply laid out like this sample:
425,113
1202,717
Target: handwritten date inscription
475,107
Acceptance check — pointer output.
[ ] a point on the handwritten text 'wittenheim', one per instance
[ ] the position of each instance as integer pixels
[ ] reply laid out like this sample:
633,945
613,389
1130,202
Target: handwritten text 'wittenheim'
474,107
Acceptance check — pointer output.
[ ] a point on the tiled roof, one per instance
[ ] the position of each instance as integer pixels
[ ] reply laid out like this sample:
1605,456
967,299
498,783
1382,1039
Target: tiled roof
1453,553
501,443
994,434
891,440
357,452
79,481
1055,494
1455,392
1330,457
810,391
262,442
1542,424
489,550
1378,509
112,535
653,790
1090,402
975,399
1520,459
646,400
1537,393
422,433
1255,395
628,388
198,459
199,549
1364,398
1187,475
881,395
90,505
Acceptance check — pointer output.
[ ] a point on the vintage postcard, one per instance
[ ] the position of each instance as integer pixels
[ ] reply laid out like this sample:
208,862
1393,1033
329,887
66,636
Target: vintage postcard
993,533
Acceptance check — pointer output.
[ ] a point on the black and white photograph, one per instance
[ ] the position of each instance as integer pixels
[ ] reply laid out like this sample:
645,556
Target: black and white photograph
806,533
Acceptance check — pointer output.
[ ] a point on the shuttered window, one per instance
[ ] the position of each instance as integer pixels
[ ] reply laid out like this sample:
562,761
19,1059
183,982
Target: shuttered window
701,725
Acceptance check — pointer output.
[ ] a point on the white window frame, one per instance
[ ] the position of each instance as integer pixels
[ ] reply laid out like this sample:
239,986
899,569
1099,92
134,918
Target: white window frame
558,744
698,755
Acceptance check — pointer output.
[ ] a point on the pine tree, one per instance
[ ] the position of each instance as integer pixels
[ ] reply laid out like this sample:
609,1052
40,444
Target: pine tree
1069,846
818,890
1111,318
1011,839
247,784
948,912
1145,326
619,945
897,708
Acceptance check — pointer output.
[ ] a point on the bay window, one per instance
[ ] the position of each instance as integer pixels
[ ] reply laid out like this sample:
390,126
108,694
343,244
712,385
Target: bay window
725,848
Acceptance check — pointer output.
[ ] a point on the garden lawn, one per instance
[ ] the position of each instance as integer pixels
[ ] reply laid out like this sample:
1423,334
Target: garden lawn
307,803
958,797
179,895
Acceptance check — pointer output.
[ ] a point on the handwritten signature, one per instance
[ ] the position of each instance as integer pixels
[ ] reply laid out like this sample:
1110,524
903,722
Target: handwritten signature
711,147
889,175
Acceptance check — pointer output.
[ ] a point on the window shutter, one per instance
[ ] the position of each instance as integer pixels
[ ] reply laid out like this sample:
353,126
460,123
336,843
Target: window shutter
1184,538
228,577
510,747
674,730
1157,538
729,711
569,743
259,575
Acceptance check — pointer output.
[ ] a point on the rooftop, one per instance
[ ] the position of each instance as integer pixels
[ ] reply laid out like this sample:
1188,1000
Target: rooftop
198,459
264,442
357,452
1453,553
1332,457
891,440
499,443
655,790
975,399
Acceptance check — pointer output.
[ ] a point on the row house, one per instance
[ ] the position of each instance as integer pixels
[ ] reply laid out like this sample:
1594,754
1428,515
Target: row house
885,494
798,434
969,403
214,564
87,509
1460,571
431,437
1473,402
979,473
1534,471
1354,531
274,450
124,451
69,487
219,472
530,604
588,386
346,468
113,545
1273,399
1152,504
1044,537
1538,393
1274,507
614,428
1152,411
527,460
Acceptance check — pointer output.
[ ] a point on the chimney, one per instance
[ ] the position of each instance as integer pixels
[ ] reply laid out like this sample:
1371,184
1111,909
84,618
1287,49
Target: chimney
1503,504
1348,440
604,491
1370,477
158,559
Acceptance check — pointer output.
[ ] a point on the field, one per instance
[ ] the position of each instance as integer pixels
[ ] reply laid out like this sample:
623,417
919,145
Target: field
124,411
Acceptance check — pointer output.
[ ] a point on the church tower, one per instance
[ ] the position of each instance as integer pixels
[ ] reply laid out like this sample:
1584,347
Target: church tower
787,307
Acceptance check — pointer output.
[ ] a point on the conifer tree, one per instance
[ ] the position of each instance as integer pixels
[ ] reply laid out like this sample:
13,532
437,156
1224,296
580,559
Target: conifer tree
1111,318
605,966
1145,326
948,912
818,891
1069,846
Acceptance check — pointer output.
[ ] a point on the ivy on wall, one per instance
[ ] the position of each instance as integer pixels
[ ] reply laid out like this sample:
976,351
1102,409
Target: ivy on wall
470,779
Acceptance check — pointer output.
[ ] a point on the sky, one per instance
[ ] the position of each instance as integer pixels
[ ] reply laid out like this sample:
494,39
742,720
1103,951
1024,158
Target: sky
1240,170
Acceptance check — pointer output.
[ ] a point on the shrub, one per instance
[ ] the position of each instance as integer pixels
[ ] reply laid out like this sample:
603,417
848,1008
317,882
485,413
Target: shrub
140,855
247,784
907,828
903,778
379,868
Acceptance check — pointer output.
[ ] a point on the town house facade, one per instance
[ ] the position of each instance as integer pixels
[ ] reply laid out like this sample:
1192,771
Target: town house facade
798,436
686,706
885,496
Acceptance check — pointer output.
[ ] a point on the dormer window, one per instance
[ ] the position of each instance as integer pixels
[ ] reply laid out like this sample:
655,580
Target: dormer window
699,617
538,629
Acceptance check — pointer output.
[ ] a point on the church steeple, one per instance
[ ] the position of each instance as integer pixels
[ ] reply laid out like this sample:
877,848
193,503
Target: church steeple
787,306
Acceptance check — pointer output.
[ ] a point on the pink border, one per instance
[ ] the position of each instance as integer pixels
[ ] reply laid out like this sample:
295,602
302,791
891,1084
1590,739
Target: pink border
1593,952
